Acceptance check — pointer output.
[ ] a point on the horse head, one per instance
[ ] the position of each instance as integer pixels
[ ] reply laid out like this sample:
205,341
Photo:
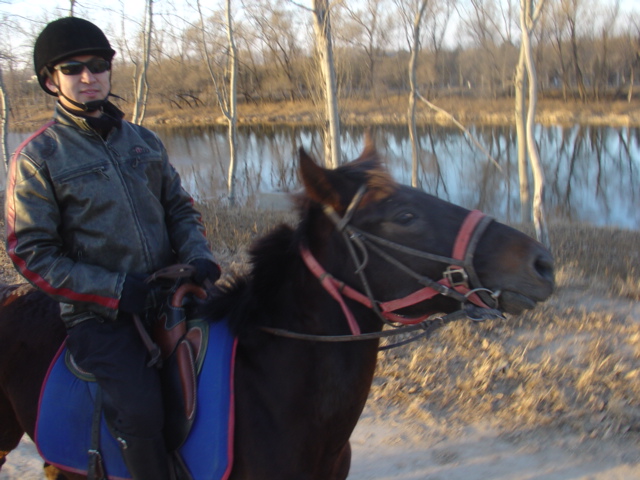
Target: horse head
412,254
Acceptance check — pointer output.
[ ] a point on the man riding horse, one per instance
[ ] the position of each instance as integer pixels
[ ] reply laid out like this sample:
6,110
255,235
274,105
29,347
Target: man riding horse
93,207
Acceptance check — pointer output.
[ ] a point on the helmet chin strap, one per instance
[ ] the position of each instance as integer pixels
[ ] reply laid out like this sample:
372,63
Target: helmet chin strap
88,107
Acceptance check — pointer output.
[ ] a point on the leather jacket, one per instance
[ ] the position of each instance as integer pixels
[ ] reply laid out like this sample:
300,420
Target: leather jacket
82,211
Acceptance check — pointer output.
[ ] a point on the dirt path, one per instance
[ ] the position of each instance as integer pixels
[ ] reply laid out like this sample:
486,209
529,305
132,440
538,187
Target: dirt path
386,449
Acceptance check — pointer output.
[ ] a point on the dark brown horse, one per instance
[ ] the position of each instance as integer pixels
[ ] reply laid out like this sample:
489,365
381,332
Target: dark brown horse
299,399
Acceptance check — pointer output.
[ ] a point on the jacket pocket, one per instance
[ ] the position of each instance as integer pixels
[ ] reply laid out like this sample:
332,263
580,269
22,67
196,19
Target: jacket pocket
101,171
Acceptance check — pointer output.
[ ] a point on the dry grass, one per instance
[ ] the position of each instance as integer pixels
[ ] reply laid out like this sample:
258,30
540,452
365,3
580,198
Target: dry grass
232,229
392,109
573,363
384,110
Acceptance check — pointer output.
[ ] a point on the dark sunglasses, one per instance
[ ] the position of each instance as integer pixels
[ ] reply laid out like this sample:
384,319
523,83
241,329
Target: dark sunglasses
73,67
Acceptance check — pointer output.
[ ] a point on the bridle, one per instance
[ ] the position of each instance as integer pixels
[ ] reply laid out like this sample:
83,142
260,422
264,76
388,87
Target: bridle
459,279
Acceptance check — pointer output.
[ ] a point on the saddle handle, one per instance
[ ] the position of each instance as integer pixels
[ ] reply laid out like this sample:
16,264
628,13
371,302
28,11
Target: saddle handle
184,290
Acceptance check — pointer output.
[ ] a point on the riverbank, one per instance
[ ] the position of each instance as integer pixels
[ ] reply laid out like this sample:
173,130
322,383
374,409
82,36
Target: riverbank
390,110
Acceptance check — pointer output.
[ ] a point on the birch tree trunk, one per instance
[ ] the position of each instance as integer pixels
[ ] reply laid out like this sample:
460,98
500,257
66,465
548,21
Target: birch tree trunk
413,94
228,104
523,171
527,22
324,48
4,119
231,114
141,86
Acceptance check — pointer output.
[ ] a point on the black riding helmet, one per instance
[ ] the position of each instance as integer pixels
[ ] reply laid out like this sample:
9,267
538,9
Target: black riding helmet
65,38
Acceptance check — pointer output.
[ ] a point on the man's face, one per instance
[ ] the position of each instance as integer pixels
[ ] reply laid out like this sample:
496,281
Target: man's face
82,87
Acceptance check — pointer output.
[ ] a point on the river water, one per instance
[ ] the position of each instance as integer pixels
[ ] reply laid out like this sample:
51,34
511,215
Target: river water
592,173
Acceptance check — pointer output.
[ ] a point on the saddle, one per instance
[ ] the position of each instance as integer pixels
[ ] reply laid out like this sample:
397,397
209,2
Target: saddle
174,349
180,345
177,348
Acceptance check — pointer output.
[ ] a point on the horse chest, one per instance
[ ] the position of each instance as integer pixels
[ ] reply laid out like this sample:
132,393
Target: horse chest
319,380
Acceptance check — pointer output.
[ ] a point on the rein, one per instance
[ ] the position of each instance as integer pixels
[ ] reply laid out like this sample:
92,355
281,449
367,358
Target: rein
427,326
459,281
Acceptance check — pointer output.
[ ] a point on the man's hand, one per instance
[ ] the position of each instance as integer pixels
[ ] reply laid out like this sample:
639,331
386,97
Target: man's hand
207,272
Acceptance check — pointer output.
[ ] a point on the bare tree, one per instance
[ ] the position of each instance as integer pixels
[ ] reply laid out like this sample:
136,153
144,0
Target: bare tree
572,9
520,117
321,10
231,111
413,13
436,28
276,29
528,18
5,59
559,30
227,94
371,23
607,19
4,119
488,24
141,86
634,40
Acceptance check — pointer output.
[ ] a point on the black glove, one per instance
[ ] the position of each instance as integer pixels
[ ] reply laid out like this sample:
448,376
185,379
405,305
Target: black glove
205,270
135,294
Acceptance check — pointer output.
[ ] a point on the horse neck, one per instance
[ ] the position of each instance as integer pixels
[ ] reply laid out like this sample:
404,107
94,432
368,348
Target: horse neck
300,304
314,391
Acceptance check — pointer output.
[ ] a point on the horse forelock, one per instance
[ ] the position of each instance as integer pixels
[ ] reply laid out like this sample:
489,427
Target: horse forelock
370,171
380,185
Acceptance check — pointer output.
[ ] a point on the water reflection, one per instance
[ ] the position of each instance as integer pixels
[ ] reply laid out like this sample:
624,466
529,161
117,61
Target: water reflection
592,173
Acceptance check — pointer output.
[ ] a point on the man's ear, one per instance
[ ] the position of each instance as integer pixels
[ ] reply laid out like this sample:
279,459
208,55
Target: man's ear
50,85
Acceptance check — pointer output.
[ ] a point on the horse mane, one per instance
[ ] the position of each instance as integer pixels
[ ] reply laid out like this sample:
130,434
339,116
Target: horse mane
246,297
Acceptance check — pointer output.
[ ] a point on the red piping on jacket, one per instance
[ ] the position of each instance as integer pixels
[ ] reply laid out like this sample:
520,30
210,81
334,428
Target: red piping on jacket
12,241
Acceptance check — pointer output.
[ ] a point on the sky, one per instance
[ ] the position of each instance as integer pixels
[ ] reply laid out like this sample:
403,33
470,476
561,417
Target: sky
33,14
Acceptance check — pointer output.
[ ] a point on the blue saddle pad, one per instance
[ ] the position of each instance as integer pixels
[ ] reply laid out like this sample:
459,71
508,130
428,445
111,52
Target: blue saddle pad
65,414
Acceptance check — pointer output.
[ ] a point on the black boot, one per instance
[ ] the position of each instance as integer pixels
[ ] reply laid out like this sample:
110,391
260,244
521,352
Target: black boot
146,458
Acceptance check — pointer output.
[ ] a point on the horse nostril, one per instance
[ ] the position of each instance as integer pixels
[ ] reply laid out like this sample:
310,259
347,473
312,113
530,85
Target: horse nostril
543,265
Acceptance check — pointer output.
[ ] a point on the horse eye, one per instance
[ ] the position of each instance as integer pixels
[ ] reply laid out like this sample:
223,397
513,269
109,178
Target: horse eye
405,218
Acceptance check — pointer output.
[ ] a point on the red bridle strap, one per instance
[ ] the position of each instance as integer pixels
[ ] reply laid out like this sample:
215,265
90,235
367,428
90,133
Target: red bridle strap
338,289
466,233
461,249
335,288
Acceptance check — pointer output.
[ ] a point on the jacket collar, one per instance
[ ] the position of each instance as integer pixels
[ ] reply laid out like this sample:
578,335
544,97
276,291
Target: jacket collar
111,117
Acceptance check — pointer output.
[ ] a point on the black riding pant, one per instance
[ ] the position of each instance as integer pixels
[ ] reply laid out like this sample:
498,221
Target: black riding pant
115,354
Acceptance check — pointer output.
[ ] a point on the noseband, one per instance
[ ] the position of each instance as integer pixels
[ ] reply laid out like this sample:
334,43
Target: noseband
459,279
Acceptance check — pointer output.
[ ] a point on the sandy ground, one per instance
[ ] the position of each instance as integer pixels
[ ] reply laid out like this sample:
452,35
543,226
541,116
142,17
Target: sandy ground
398,449
394,450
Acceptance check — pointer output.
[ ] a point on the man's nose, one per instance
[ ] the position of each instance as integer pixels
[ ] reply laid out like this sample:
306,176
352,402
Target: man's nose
86,75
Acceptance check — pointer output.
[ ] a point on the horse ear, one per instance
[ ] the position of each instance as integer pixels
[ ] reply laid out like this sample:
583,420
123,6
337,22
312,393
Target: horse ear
317,181
369,152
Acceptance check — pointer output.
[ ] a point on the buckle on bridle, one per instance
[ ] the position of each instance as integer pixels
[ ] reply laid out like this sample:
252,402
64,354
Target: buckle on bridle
456,276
